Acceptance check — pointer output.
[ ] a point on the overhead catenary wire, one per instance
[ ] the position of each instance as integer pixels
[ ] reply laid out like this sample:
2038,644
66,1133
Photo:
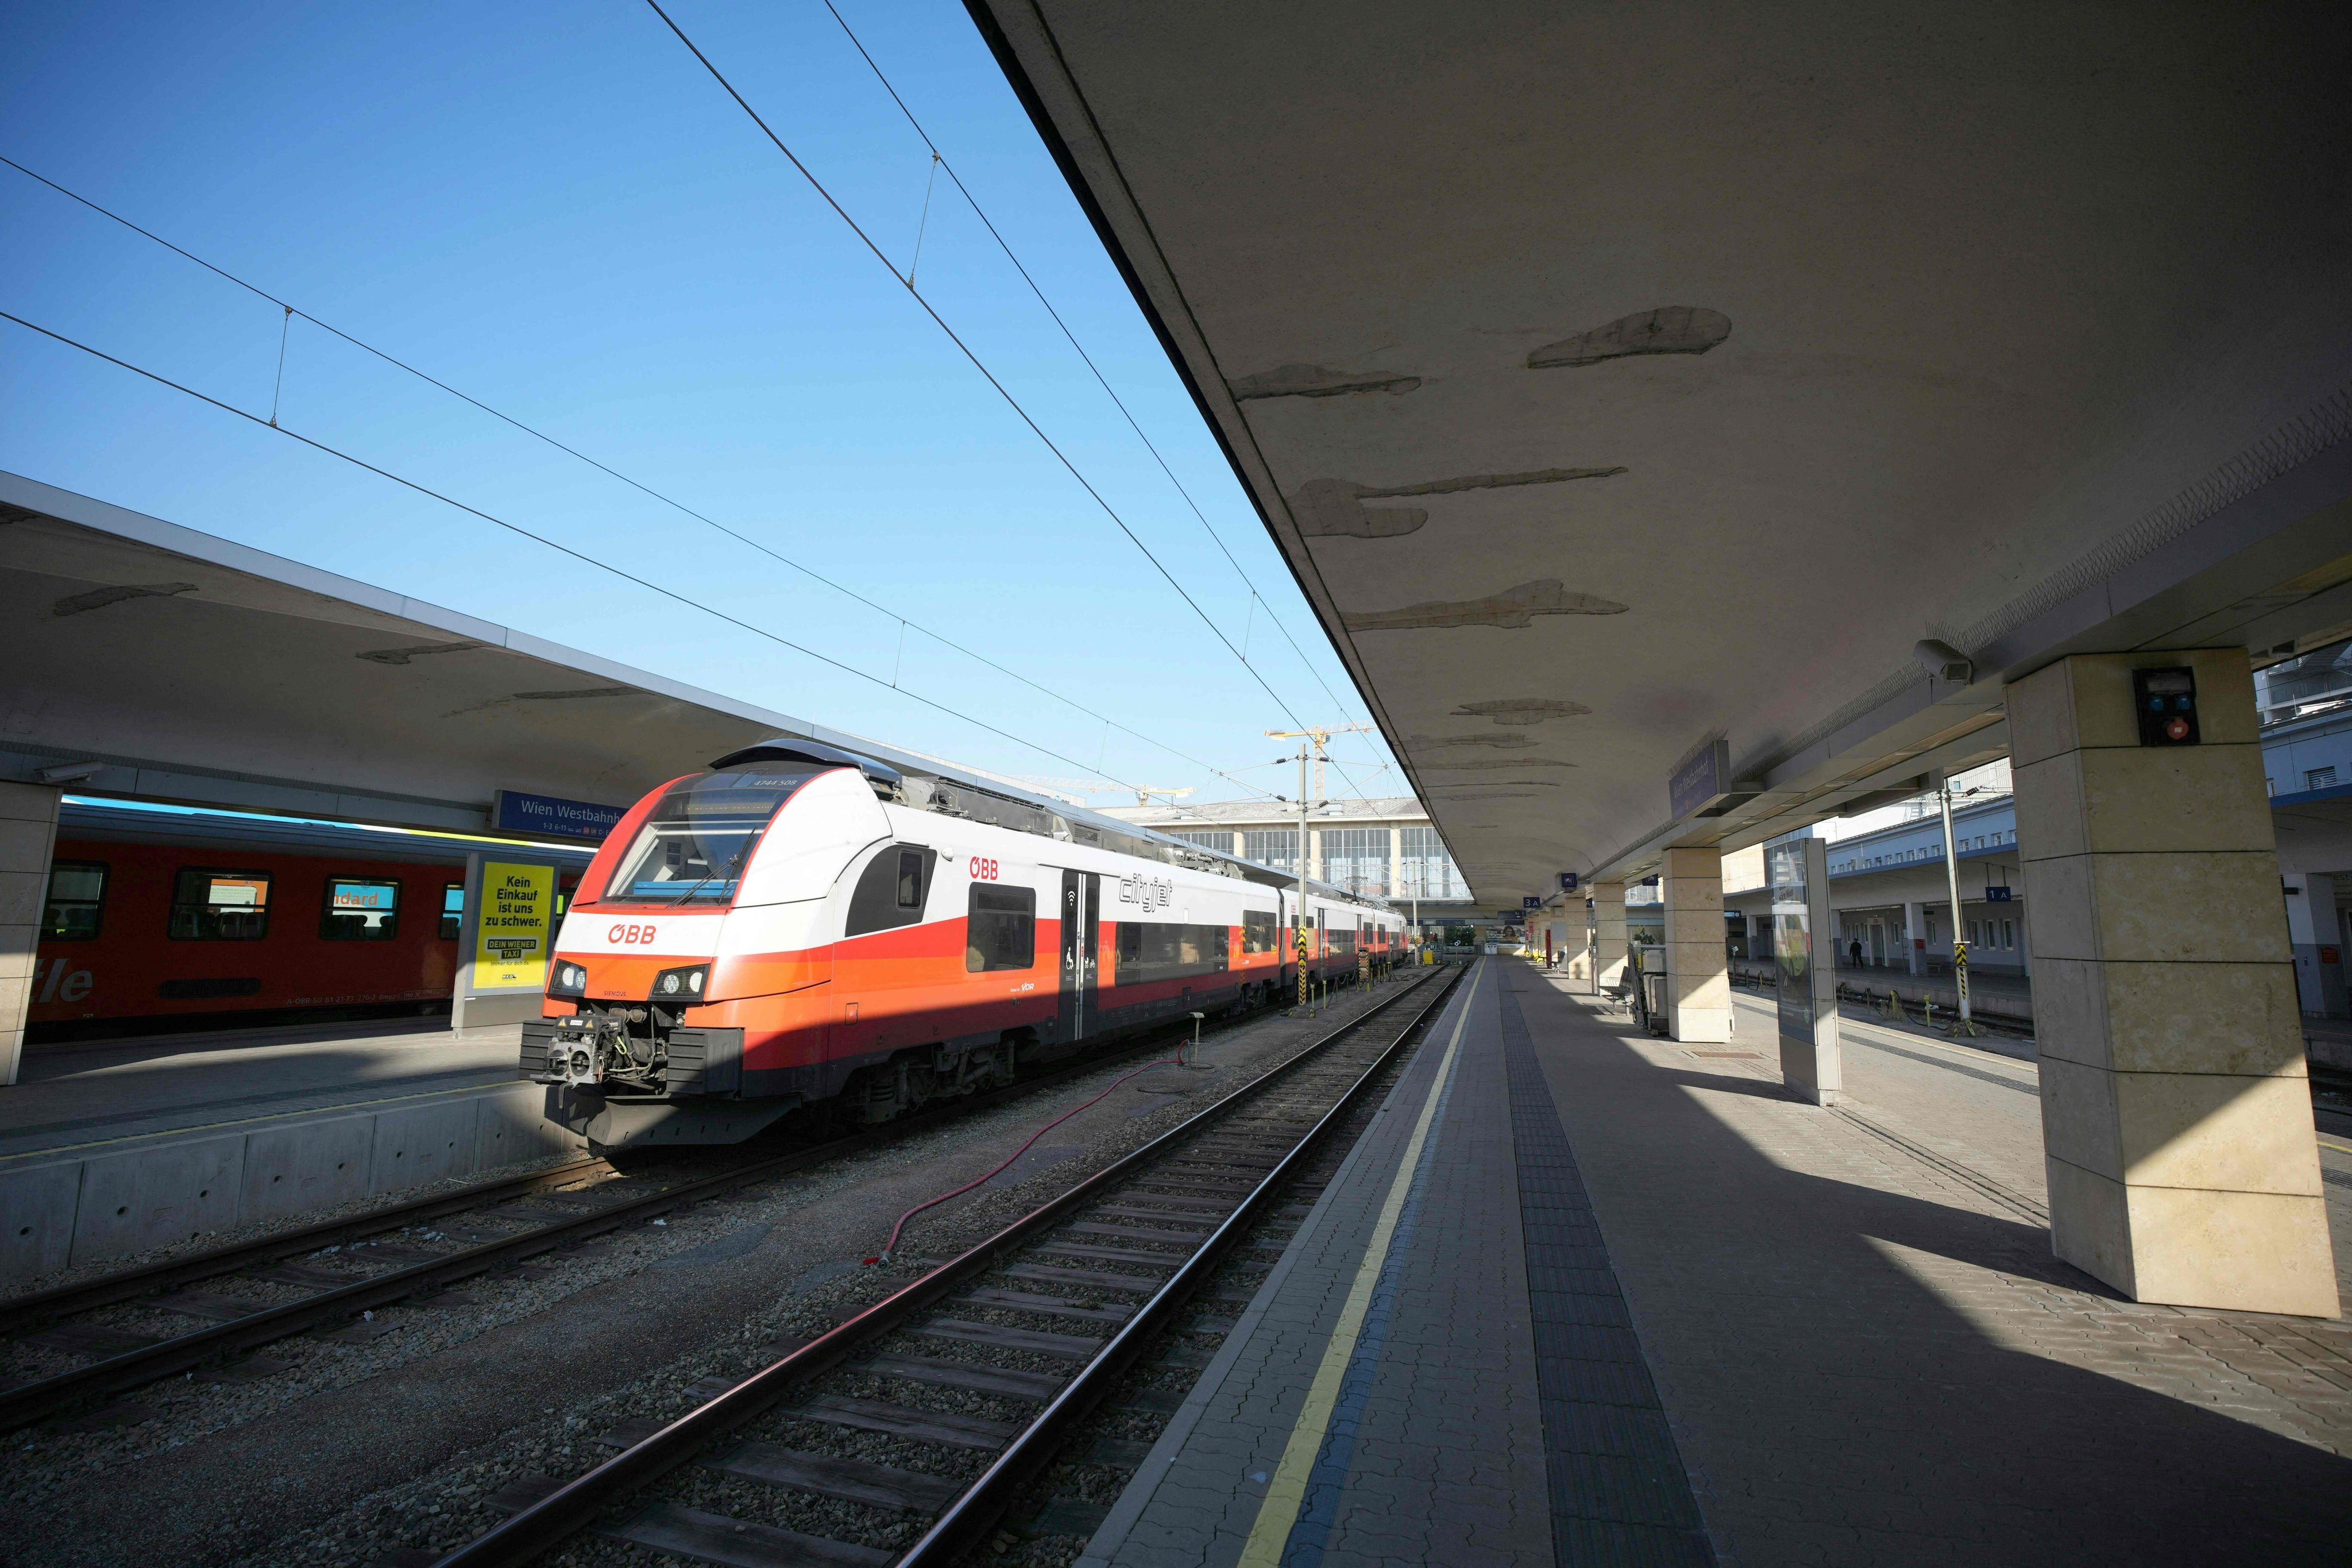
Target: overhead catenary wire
554,545
939,161
291,311
965,349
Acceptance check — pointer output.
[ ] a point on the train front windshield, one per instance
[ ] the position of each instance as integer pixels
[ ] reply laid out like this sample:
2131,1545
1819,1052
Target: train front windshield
693,848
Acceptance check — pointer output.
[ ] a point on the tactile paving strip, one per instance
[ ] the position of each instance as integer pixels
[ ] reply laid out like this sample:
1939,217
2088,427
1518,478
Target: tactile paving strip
1619,1491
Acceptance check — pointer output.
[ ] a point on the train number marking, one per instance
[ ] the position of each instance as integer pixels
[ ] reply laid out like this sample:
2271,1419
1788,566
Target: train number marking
631,935
984,870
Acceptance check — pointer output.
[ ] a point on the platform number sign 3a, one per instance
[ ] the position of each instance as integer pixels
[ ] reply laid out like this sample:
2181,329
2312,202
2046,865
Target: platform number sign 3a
2166,700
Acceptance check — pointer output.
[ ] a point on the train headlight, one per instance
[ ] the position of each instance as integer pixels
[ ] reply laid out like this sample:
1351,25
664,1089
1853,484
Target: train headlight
681,984
565,978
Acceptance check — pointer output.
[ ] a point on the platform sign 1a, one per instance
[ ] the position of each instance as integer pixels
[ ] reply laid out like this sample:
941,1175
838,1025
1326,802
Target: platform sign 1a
1797,874
504,939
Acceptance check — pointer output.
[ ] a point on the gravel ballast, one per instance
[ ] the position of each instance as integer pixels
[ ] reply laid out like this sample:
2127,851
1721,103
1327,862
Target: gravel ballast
352,1450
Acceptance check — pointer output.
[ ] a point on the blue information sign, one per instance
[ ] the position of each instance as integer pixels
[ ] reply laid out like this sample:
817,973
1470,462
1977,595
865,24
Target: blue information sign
515,812
1532,901
1568,881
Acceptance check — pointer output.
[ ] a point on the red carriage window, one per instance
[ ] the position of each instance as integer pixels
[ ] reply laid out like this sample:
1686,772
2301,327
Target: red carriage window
360,908
453,910
76,900
219,906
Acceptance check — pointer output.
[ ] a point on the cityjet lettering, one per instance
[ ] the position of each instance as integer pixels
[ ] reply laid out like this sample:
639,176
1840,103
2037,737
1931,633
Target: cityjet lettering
1148,893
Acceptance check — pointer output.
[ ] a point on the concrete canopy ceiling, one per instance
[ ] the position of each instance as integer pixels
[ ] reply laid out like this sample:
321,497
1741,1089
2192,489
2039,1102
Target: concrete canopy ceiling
1616,378
198,670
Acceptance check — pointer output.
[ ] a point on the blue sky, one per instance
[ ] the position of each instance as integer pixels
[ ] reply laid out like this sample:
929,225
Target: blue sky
556,210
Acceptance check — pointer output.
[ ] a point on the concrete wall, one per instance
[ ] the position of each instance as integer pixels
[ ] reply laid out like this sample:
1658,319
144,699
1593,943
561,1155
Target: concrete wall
28,831
112,1202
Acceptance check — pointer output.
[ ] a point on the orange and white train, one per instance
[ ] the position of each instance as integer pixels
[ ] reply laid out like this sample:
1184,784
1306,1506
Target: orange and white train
803,924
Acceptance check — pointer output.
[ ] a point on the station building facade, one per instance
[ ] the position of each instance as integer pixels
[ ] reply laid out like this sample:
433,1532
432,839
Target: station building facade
1384,846
1892,898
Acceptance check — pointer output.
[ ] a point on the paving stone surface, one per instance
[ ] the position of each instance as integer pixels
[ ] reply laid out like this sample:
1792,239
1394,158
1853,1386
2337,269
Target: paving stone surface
1867,1352
1437,1453
1846,1329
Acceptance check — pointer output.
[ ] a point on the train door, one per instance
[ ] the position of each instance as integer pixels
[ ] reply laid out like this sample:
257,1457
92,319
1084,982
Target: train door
1081,943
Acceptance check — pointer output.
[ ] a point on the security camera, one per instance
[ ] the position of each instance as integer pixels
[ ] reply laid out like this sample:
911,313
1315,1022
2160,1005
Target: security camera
71,773
1944,662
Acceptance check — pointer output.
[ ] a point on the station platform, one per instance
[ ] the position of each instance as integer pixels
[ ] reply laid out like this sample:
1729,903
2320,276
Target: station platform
1580,1296
110,1148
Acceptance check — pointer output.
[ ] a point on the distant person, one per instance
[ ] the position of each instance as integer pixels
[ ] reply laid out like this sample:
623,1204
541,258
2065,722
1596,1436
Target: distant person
1854,947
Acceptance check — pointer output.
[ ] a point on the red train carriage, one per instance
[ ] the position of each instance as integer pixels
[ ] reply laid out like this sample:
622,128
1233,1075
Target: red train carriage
802,924
161,919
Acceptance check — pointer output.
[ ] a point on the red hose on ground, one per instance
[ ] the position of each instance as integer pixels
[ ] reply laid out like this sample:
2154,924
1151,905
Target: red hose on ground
891,1246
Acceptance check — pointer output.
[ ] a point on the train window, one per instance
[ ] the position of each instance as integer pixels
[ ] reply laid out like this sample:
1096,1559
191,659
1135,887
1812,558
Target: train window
77,899
219,906
1150,950
1257,930
453,910
360,908
891,889
1001,929
700,834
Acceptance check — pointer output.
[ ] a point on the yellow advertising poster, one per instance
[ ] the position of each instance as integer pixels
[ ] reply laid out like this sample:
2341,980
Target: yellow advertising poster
515,928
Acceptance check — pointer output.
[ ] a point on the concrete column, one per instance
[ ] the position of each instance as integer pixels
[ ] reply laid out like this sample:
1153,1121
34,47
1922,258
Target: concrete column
29,833
2176,1116
1698,971
1915,932
1608,935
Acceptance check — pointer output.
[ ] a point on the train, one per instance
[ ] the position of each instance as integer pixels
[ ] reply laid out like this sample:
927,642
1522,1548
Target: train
803,926
161,919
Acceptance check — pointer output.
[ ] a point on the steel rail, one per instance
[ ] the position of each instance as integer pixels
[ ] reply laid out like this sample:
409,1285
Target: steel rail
104,1291
572,1506
28,1403
974,1513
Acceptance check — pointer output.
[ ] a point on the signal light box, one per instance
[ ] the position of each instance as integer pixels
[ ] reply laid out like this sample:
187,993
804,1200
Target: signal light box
2166,700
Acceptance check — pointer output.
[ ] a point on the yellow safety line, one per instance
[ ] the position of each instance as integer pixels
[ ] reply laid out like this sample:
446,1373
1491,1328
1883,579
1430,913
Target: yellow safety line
245,1121
1284,1497
2331,1143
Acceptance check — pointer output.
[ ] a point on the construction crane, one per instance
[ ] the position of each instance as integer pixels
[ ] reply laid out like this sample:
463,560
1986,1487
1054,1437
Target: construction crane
1320,734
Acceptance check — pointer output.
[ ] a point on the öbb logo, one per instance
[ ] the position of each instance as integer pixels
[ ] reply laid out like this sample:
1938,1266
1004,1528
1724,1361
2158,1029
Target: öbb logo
984,870
619,935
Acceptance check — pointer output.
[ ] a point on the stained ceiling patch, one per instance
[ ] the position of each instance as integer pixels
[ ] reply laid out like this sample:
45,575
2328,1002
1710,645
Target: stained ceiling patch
1522,710
1669,330
1319,381
1468,764
99,598
402,655
1513,608
1327,508
1500,742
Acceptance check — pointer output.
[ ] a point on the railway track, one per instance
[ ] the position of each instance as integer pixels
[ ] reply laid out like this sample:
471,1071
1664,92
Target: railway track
333,1276
924,1415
